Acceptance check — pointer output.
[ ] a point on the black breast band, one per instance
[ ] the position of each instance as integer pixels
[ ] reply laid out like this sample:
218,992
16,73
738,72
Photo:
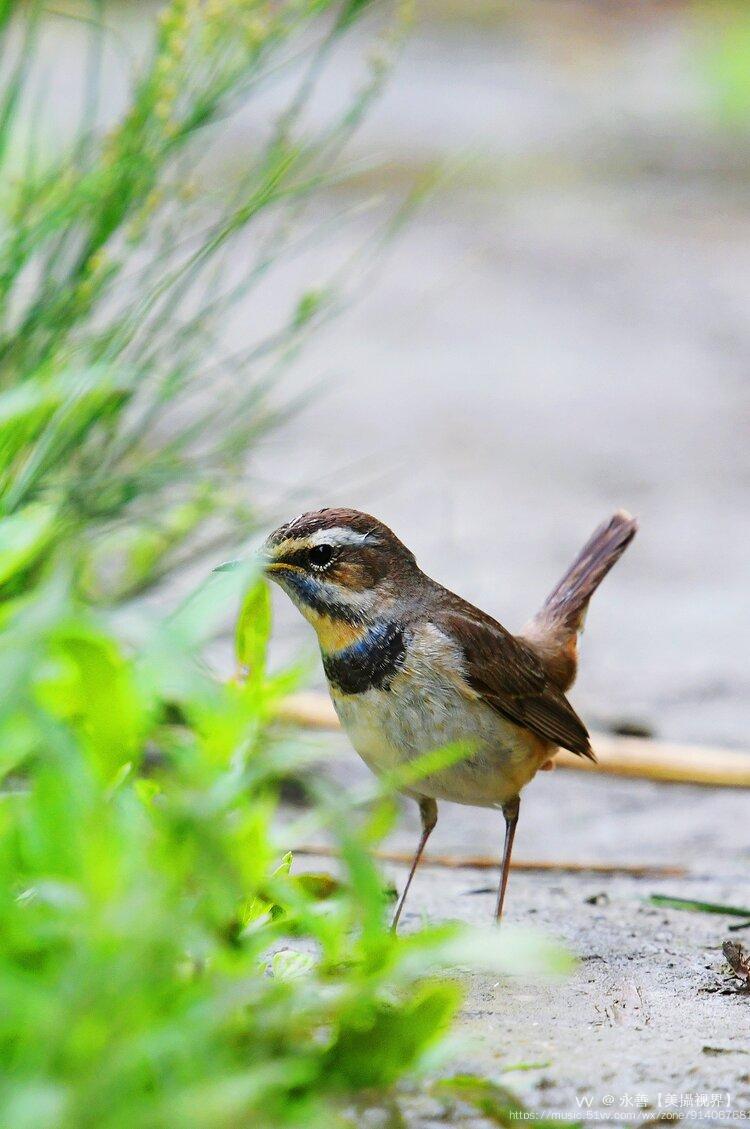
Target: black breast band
370,663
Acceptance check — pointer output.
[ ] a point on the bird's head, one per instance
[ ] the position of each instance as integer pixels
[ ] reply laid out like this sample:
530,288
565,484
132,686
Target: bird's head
340,567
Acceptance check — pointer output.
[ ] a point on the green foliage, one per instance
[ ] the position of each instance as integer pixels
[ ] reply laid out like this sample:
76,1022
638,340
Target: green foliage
120,262
250,643
161,963
725,62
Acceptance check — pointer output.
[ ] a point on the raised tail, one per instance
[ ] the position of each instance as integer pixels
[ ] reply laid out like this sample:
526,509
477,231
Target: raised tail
568,600
553,632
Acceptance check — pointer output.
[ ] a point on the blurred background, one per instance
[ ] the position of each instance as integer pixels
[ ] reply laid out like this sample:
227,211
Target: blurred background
561,327
561,330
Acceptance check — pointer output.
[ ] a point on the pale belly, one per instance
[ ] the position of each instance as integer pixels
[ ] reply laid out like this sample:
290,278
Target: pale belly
390,728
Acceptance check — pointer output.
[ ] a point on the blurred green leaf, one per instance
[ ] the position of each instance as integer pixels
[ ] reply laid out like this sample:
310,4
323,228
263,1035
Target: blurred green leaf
727,66
318,885
25,537
261,905
92,688
380,1039
253,628
198,617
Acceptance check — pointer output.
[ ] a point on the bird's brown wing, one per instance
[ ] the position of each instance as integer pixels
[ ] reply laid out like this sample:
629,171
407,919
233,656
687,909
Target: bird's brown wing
504,671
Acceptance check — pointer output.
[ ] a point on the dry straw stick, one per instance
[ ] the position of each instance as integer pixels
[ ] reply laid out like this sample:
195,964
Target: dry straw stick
637,757
486,862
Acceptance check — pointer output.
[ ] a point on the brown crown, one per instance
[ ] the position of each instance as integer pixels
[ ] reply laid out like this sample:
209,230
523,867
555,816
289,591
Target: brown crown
307,524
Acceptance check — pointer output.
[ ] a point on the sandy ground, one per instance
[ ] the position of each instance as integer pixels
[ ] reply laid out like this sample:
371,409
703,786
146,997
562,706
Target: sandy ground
640,1025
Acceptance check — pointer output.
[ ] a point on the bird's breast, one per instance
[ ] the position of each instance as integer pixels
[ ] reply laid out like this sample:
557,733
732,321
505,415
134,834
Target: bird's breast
400,693
370,661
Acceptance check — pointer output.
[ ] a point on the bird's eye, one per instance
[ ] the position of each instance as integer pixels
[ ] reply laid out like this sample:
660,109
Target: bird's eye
320,556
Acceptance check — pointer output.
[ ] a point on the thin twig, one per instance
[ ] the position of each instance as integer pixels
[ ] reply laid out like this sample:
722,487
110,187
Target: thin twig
485,862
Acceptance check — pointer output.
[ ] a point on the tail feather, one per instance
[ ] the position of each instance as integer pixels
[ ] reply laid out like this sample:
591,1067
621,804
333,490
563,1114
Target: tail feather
568,600
554,629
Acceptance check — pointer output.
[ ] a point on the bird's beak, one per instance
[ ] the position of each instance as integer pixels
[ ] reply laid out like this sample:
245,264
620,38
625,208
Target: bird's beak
270,563
272,567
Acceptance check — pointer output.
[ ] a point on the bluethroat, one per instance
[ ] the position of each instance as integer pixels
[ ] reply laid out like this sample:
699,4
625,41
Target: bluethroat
412,667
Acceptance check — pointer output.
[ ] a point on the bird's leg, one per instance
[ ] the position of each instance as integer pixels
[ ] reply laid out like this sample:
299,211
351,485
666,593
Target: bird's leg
510,811
429,813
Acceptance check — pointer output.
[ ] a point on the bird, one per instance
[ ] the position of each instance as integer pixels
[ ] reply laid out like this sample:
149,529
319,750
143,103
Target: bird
412,667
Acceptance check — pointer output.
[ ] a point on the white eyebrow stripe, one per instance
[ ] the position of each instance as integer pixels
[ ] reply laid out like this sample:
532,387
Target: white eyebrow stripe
339,537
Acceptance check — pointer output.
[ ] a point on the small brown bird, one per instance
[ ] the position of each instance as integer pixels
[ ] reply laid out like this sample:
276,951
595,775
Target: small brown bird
412,667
